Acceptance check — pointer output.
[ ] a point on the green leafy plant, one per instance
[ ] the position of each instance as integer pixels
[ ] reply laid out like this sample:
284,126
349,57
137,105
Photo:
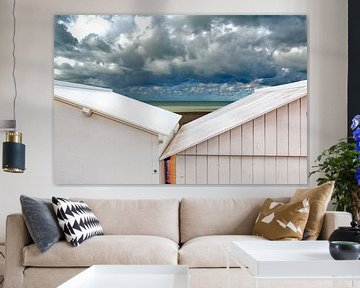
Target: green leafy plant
341,163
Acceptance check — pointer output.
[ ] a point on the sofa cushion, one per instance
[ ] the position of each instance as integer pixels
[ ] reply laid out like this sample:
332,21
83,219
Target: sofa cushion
107,249
211,251
201,217
41,221
77,220
319,198
158,217
279,221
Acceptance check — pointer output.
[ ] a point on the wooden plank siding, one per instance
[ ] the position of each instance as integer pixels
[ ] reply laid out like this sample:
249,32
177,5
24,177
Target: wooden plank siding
270,149
190,166
202,163
235,161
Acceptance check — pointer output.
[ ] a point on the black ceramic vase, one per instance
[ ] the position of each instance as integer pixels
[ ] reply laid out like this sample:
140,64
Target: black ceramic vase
344,250
344,233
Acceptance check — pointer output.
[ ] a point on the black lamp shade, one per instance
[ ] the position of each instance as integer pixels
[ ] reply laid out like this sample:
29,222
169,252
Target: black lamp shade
13,157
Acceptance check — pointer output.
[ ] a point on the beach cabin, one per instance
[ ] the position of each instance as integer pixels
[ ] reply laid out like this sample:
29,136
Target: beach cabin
259,139
101,137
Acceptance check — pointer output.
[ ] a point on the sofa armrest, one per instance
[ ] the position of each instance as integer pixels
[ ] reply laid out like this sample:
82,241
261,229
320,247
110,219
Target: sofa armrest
17,237
333,220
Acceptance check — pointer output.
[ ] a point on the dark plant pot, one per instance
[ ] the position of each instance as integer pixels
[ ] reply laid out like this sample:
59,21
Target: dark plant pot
351,233
344,250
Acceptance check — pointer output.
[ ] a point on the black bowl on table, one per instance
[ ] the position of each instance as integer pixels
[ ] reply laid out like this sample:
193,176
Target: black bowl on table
344,250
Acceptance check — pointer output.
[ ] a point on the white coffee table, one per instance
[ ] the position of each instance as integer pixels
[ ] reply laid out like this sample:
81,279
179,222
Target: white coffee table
285,260
131,276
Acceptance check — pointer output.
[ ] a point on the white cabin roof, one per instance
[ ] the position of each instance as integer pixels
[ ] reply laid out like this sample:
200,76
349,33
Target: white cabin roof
235,114
118,107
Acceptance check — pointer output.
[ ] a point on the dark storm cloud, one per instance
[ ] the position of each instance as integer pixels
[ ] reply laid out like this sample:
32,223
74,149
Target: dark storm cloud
64,42
93,42
65,18
120,25
290,31
285,30
192,24
139,51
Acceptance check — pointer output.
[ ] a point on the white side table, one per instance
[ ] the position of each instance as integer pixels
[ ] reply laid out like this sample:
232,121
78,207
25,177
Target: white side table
287,261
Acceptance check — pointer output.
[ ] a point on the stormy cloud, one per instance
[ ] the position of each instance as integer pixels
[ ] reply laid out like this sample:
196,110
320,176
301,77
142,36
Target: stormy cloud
170,57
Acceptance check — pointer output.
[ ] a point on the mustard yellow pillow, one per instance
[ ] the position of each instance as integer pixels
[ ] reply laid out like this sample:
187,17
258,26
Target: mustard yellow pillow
279,221
319,198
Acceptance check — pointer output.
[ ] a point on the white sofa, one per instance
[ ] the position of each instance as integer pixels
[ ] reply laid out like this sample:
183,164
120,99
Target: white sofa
194,232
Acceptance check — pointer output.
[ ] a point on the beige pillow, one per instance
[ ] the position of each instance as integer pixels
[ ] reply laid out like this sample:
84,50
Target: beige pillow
319,198
279,221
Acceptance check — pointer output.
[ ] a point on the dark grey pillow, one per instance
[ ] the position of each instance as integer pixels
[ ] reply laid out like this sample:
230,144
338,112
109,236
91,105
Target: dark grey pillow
41,221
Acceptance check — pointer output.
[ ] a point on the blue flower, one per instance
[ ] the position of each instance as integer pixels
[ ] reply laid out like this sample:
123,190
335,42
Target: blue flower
357,176
355,122
356,134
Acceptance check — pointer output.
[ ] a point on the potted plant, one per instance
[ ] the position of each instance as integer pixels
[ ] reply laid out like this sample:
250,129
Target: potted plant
341,163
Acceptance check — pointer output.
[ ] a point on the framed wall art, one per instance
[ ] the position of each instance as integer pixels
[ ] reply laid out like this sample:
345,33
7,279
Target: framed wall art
180,99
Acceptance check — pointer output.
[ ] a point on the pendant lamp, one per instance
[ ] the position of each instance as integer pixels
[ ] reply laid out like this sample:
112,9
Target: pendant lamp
13,160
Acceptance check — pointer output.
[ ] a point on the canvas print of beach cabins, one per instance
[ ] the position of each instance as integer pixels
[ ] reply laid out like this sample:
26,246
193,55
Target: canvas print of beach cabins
180,99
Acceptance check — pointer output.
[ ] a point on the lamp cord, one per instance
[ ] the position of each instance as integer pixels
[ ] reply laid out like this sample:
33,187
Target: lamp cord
14,60
2,280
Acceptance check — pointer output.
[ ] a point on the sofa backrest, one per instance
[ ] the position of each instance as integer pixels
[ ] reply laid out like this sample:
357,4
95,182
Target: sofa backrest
159,217
200,217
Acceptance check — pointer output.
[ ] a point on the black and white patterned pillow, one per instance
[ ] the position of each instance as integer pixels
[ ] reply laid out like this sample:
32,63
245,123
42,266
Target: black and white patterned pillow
77,220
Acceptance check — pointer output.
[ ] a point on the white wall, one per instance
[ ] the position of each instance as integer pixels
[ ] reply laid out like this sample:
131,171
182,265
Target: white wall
93,160
327,95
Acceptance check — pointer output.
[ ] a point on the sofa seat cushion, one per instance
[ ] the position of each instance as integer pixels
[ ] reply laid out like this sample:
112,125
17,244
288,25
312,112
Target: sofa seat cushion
159,217
107,249
211,251
206,217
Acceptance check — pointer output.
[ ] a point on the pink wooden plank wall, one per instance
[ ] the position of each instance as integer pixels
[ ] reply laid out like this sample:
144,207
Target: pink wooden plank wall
271,149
